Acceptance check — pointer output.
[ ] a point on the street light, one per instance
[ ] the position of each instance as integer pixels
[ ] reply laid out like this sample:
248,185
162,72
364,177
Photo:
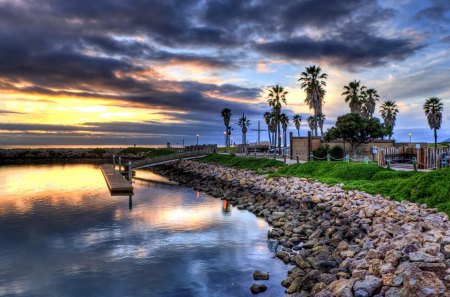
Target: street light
197,139
410,134
225,136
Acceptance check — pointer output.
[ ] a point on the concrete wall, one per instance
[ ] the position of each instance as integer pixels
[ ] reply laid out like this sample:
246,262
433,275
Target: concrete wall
365,148
299,146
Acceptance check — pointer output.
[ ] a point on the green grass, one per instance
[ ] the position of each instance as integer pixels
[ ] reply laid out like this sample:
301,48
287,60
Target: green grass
257,164
226,149
431,188
149,152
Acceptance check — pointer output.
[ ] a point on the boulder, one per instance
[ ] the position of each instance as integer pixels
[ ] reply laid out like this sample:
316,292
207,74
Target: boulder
258,288
418,283
367,287
258,275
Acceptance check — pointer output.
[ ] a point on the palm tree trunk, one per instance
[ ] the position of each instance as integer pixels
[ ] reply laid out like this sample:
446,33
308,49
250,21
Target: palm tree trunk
270,140
298,132
279,134
315,122
435,139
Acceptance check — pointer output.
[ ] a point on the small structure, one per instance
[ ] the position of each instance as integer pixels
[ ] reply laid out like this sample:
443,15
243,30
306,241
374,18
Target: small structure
115,181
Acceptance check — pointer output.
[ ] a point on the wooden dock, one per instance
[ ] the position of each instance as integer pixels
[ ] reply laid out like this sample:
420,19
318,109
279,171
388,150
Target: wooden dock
115,181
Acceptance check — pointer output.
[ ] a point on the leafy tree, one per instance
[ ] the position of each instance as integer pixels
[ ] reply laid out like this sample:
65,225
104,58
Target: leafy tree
389,113
297,119
355,96
433,109
277,96
321,120
268,118
226,115
370,100
284,120
244,124
312,123
355,129
313,83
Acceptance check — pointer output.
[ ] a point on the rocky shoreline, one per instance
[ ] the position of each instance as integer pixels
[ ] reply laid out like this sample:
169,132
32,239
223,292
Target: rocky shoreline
342,243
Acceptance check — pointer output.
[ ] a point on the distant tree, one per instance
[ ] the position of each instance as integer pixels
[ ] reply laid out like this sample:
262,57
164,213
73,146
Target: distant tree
355,129
277,96
226,115
433,109
313,83
297,119
244,124
284,124
370,101
268,118
312,123
354,96
389,113
321,120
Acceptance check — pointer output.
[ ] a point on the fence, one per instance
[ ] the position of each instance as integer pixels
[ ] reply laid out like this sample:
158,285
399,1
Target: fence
423,158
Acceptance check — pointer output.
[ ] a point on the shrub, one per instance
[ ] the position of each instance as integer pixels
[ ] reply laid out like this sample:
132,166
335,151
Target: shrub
337,152
321,152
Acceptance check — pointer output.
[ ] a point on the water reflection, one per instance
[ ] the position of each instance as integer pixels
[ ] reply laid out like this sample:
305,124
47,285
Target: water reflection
74,239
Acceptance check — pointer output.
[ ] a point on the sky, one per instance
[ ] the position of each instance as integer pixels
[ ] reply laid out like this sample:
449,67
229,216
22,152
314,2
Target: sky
151,72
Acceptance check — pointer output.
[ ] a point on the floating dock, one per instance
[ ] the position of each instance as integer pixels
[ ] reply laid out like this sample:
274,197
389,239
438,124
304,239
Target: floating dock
115,181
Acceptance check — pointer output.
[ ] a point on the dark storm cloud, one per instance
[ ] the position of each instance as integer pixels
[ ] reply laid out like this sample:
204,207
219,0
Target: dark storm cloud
352,48
437,12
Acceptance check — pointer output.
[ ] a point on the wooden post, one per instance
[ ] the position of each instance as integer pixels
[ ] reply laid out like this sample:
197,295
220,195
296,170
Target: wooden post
130,172
297,159
120,164
309,145
114,161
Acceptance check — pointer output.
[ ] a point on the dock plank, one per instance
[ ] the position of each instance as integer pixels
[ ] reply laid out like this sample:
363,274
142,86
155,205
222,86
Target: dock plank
115,181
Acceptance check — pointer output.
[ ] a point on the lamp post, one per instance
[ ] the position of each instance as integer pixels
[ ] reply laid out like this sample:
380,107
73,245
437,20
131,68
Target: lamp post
197,139
225,136
410,135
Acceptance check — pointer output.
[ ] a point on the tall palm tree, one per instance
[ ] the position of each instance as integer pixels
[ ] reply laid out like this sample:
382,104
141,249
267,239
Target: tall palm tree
284,120
268,118
244,124
312,123
354,96
297,119
313,83
273,129
389,113
371,98
321,120
226,115
433,109
277,96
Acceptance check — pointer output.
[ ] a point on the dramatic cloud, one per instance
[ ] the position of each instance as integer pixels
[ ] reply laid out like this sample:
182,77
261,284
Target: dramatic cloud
185,60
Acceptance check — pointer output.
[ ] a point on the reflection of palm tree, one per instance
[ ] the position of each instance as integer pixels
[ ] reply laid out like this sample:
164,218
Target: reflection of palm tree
371,98
284,120
312,81
433,109
226,115
226,206
312,123
297,119
244,124
277,95
389,113
354,96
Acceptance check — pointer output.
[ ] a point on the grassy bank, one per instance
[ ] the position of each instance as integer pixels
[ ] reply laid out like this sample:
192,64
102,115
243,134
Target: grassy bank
431,188
258,164
148,152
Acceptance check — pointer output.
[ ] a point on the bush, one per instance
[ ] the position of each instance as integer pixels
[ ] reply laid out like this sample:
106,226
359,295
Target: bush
97,151
321,152
337,152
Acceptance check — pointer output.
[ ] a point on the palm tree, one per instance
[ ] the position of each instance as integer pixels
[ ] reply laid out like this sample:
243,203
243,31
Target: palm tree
433,109
354,96
371,98
277,95
312,123
267,118
226,115
244,124
273,129
313,83
297,119
321,120
389,113
284,120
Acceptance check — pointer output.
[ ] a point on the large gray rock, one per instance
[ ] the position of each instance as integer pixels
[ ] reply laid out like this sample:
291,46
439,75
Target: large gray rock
258,275
258,288
367,287
418,283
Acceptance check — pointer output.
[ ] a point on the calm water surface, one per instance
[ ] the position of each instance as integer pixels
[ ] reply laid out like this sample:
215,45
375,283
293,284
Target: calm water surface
63,234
